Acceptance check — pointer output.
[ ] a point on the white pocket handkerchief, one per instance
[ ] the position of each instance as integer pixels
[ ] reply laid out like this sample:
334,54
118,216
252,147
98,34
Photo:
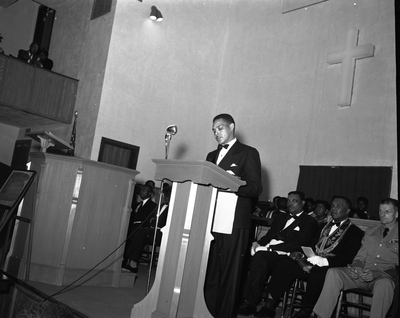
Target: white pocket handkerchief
296,228
233,165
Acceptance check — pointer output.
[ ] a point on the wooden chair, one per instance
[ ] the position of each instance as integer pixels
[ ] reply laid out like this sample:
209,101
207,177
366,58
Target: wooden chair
146,255
361,305
295,294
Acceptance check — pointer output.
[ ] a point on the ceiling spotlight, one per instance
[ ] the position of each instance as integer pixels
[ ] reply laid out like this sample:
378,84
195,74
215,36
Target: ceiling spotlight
155,14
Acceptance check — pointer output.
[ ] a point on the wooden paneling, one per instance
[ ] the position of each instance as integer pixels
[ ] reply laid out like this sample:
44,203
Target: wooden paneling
27,89
82,214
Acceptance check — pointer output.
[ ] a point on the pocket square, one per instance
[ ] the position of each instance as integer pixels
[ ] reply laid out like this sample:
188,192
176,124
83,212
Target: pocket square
296,228
233,165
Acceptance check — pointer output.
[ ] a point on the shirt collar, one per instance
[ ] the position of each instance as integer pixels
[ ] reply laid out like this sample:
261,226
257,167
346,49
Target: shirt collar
230,144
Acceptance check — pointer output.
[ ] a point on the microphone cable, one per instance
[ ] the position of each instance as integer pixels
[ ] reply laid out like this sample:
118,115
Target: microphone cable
65,289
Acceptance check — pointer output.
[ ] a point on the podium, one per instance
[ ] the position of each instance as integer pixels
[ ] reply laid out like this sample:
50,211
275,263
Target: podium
177,290
82,210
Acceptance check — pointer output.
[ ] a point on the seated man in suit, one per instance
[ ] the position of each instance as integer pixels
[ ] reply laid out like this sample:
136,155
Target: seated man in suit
45,62
30,56
335,245
281,207
287,234
140,218
372,269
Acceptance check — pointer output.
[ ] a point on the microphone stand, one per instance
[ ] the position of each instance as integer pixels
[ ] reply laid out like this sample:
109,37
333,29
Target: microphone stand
154,239
167,142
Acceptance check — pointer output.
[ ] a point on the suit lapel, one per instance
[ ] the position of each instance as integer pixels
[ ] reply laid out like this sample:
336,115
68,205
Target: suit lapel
294,224
227,160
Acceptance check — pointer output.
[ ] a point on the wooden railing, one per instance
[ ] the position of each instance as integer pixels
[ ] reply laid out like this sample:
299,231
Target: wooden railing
31,89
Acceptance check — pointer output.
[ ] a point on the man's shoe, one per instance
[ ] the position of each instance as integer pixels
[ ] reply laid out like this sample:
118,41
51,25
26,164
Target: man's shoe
130,269
303,313
265,312
247,309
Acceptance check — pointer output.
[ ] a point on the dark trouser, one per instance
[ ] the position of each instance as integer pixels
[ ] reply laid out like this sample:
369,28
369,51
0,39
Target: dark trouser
287,271
224,272
138,241
263,264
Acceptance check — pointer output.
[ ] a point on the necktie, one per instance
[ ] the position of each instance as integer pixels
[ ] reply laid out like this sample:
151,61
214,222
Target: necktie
385,231
139,206
225,146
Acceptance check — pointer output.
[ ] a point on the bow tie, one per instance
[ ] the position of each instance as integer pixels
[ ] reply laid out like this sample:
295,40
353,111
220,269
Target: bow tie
336,223
292,217
225,146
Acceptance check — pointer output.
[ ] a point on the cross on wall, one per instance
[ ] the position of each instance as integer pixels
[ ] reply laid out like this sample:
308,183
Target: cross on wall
348,56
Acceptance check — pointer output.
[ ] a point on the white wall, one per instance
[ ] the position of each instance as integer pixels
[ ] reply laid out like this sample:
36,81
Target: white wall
266,68
17,25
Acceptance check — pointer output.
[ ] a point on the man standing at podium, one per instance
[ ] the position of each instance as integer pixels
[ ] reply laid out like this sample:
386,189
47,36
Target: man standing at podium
227,251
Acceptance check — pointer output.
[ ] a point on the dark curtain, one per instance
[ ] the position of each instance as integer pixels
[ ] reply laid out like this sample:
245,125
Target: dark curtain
116,156
323,182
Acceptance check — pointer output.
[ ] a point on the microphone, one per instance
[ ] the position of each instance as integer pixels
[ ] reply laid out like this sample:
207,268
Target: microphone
171,130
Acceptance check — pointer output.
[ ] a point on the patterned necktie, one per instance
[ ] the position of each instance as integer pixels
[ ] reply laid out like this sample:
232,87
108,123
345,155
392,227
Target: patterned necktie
385,231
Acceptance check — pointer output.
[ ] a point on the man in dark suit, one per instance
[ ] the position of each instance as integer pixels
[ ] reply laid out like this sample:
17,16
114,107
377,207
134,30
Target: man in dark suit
45,62
335,245
288,233
227,251
31,56
140,218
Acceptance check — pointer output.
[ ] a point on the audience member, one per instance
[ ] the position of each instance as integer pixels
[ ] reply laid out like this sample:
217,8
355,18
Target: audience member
372,267
335,245
309,206
45,62
287,234
321,212
140,217
30,56
281,207
144,234
274,203
361,211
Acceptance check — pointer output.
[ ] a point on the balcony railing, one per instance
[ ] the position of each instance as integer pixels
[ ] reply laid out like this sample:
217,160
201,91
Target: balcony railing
31,96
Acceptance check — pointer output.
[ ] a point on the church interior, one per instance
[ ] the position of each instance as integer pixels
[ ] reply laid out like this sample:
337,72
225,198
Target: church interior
310,83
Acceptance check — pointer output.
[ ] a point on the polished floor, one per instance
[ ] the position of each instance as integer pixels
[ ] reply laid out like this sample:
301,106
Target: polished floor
102,302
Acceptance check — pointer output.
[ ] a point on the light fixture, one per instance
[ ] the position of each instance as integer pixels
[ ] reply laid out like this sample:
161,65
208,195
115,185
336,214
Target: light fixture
155,14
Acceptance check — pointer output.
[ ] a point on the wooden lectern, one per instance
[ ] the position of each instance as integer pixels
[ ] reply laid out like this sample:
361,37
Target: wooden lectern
82,210
178,286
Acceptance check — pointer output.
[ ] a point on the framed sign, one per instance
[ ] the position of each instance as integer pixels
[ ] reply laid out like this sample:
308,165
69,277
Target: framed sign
12,192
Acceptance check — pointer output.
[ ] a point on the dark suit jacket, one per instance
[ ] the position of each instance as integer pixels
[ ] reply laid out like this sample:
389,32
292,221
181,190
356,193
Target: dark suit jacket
244,162
47,64
144,214
347,248
24,56
162,220
300,233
